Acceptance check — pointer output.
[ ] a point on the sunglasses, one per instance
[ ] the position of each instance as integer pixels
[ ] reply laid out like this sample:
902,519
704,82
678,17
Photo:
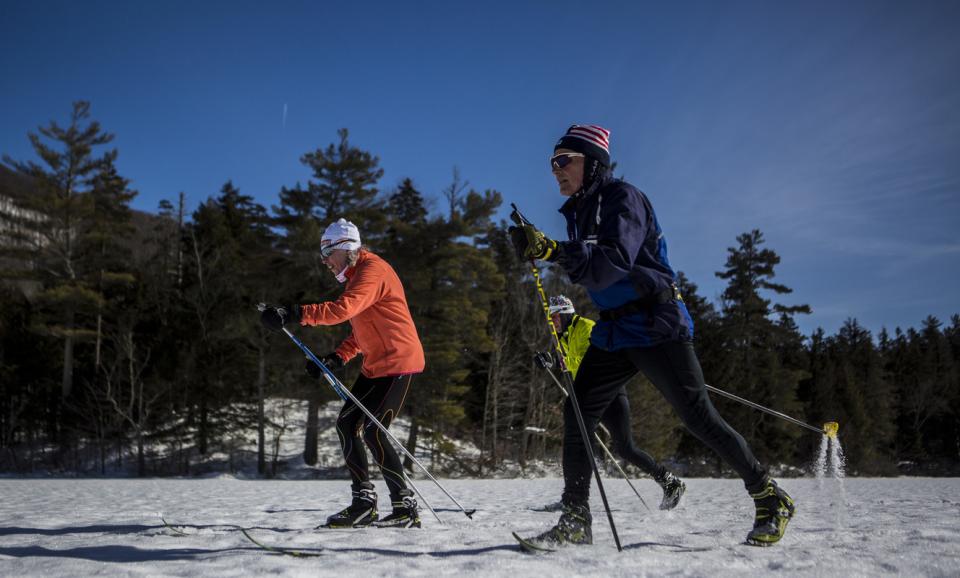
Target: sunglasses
561,160
325,252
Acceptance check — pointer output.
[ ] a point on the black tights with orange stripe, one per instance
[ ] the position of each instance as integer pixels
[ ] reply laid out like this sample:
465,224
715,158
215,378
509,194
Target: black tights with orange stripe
383,396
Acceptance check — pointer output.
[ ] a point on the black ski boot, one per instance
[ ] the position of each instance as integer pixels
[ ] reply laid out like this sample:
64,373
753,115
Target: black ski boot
673,489
361,512
774,510
405,514
574,527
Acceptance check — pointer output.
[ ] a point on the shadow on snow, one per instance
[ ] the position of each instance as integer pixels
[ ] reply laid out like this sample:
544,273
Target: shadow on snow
114,553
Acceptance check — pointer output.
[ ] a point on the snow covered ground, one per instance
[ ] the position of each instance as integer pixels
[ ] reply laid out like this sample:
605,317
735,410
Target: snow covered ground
865,527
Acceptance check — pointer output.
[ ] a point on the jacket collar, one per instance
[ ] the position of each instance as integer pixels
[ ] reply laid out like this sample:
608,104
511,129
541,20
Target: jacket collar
577,200
351,271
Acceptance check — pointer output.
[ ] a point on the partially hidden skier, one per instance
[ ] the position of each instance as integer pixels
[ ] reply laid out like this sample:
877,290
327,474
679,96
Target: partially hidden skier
616,249
374,303
574,332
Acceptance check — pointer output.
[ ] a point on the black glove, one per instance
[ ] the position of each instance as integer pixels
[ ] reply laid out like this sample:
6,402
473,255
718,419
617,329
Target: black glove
331,360
533,244
543,360
275,317
519,241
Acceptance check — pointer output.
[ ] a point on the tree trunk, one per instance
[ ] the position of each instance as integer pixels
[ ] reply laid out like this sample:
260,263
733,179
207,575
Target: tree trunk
274,462
102,443
484,424
495,424
66,383
412,440
180,243
261,387
313,419
96,361
276,457
529,420
141,459
202,430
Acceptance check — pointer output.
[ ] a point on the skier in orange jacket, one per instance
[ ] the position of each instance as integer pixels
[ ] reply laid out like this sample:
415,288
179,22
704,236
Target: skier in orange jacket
374,303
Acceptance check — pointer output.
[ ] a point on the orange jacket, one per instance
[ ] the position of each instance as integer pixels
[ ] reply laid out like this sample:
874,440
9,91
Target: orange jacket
383,331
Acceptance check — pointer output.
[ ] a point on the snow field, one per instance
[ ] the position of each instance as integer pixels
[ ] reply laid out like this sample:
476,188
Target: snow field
62,527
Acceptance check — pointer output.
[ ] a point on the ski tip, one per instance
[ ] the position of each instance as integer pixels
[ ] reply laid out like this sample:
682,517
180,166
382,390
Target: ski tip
529,547
278,550
470,513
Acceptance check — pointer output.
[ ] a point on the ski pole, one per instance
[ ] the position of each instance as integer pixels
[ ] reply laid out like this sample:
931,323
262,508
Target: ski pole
340,389
829,429
417,490
335,384
521,220
542,362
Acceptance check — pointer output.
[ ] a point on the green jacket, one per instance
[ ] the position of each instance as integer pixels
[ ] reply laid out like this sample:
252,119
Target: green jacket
575,341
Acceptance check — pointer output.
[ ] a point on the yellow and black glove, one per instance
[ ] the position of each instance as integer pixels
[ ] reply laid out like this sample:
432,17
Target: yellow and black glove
533,244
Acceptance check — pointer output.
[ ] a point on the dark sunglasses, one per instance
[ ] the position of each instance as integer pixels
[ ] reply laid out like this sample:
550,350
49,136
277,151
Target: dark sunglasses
558,161
325,252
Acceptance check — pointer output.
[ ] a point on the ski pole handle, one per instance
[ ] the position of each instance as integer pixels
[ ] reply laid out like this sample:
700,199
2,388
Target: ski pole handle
517,217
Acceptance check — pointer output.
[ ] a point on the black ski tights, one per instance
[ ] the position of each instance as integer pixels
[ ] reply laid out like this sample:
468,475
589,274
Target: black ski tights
383,396
674,370
616,419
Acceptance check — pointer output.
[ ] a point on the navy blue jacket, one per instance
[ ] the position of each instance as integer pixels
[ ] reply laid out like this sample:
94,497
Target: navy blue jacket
618,253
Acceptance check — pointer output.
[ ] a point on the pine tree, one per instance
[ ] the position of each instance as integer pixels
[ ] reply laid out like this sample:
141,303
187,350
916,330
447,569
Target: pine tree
867,400
406,207
28,378
950,431
935,388
160,264
229,244
65,207
343,186
762,357
108,240
818,392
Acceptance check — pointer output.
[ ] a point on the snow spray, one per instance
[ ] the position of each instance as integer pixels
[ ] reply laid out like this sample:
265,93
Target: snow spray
830,462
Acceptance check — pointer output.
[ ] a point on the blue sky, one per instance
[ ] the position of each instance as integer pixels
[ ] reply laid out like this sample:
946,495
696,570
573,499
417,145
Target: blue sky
833,127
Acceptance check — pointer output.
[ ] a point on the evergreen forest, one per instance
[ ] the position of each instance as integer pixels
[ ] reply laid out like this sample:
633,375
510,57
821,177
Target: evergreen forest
130,341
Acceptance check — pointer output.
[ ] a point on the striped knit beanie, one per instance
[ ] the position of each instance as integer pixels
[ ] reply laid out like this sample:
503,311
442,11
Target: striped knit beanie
589,139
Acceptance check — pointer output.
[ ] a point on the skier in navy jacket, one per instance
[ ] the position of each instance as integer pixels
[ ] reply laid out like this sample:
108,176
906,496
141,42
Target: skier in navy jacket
618,252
